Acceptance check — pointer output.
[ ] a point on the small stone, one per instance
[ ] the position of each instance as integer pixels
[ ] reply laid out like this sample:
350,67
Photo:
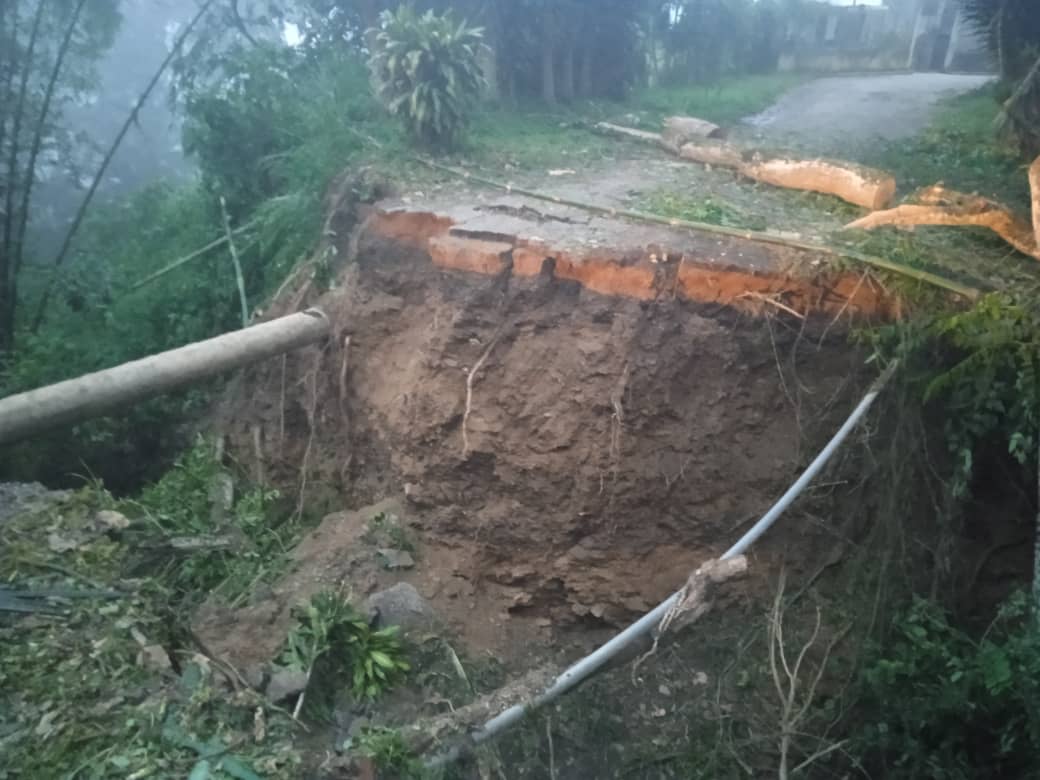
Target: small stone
59,544
154,657
396,559
664,691
285,682
543,622
254,675
401,606
115,521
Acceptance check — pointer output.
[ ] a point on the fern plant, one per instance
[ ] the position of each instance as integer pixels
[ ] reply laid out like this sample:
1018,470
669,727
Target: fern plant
427,72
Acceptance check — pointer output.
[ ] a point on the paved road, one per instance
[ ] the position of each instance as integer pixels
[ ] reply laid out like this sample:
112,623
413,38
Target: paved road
831,114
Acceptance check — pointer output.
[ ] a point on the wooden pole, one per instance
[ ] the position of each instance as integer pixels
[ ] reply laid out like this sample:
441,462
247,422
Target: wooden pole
94,395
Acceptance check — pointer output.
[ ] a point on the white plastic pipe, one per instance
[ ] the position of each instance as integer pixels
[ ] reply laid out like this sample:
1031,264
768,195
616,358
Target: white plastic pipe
590,664
113,390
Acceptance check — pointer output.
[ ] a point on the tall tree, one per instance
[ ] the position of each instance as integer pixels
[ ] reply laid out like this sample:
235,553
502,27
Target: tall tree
47,52
1012,31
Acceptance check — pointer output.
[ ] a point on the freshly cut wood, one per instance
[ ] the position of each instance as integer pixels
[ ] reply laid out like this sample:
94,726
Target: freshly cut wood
856,184
680,129
867,187
939,206
93,395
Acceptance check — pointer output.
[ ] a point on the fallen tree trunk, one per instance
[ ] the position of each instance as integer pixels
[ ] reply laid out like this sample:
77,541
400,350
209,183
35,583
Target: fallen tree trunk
940,206
713,152
857,184
93,395
681,129
639,135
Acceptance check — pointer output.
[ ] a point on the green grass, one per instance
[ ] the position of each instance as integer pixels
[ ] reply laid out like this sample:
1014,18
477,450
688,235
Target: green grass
528,138
960,149
724,103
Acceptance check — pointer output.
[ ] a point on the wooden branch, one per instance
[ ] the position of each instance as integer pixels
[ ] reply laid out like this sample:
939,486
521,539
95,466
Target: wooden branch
940,206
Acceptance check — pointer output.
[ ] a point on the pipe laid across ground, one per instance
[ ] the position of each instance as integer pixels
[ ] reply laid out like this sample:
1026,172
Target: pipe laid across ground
94,395
595,661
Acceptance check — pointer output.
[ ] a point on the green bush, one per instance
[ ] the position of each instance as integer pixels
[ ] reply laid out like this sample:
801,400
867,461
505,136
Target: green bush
939,704
427,72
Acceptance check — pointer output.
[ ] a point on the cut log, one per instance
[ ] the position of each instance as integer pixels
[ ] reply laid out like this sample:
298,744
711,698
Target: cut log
681,129
940,206
713,152
93,395
639,135
857,184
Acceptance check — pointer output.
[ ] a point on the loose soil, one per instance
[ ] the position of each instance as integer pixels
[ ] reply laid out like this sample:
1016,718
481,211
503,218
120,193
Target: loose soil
613,441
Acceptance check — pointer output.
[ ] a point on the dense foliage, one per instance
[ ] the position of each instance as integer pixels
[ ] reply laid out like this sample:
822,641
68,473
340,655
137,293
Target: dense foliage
939,703
427,72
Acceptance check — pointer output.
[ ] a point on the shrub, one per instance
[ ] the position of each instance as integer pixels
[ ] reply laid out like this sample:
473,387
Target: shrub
427,72
943,705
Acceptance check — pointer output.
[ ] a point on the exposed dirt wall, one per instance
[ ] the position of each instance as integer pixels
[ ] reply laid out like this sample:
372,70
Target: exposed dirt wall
613,443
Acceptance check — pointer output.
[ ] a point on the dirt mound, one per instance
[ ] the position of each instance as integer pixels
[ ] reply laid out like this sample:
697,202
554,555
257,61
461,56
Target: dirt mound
564,455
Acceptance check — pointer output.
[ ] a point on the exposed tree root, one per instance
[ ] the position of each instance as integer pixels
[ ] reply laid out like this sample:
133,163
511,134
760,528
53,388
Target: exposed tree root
469,393
937,205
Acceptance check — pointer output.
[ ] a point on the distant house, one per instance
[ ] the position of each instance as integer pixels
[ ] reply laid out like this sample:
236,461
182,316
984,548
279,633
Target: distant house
944,40
912,34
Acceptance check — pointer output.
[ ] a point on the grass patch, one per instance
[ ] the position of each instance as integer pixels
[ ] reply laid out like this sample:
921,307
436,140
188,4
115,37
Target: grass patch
724,103
106,683
961,150
713,211
528,138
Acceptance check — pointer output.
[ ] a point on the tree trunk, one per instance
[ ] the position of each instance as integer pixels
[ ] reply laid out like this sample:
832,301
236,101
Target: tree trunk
113,390
548,60
567,76
858,184
585,86
1034,191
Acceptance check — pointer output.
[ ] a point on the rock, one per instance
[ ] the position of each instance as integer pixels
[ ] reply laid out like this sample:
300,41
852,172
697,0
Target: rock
154,657
285,682
115,521
59,544
396,559
254,675
401,606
